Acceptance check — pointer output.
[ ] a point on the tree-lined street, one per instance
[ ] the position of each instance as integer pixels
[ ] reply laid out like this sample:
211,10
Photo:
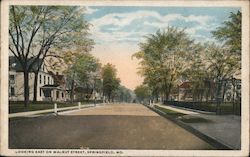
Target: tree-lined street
145,73
112,126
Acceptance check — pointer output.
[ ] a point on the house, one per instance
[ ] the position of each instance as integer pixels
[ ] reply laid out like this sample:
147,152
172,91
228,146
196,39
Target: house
233,90
230,91
58,91
199,91
50,86
185,91
88,92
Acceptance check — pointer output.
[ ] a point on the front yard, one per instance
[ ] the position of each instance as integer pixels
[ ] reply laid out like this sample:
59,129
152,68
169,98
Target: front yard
181,116
19,107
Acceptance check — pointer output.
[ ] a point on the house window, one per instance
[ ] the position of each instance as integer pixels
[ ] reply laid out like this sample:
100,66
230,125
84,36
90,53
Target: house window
229,87
12,91
238,86
40,93
40,78
48,79
12,79
44,79
57,94
62,95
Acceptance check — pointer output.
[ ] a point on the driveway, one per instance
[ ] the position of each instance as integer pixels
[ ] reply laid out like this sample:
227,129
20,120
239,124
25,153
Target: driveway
112,126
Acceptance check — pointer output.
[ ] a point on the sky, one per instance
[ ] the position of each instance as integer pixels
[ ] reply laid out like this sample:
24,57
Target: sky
117,31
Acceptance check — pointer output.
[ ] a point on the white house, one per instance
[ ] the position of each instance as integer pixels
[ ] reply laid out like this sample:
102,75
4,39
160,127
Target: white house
50,86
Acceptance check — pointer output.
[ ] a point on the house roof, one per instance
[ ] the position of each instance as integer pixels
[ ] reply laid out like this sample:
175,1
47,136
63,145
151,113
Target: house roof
58,79
185,85
84,89
49,86
15,65
188,84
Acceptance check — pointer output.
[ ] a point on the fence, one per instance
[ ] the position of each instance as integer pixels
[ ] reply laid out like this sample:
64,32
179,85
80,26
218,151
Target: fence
54,110
225,107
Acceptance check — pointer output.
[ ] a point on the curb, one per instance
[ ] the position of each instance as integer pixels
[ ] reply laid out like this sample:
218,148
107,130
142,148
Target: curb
193,110
210,140
52,113
189,109
75,110
48,111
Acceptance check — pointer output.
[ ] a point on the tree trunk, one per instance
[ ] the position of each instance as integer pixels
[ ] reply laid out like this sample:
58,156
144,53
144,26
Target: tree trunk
72,91
109,96
26,88
224,90
168,90
201,95
206,94
233,98
35,80
35,87
218,97
165,97
212,90
157,97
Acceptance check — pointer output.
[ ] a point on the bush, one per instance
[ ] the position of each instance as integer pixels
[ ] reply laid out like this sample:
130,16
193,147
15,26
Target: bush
226,107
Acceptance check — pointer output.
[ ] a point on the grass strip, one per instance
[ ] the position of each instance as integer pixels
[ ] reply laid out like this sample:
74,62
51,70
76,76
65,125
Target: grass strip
171,113
175,114
15,108
195,120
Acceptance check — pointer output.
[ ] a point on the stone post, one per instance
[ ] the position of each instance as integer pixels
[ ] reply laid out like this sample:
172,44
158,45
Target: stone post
79,105
55,108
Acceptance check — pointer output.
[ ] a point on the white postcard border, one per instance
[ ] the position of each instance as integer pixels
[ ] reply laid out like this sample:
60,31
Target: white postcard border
245,78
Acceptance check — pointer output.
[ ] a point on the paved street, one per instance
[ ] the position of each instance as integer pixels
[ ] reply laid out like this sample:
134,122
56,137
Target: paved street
113,126
225,129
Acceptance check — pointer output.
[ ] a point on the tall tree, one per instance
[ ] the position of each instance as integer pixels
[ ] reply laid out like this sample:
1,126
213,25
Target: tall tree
230,33
34,30
221,65
217,63
230,54
163,57
123,94
142,93
198,75
83,72
110,80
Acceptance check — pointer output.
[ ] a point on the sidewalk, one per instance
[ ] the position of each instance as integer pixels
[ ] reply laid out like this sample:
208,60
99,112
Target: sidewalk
177,109
54,110
225,129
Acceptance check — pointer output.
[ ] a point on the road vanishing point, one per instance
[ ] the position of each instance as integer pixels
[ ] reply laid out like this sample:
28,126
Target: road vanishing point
109,126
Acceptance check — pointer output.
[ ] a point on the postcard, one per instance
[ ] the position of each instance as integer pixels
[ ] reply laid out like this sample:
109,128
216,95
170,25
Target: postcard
124,78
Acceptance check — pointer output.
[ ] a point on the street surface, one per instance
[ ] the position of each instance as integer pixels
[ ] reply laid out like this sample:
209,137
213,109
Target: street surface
113,126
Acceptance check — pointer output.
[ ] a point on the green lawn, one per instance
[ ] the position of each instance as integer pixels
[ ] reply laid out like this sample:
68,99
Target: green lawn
171,113
14,108
195,120
175,115
226,107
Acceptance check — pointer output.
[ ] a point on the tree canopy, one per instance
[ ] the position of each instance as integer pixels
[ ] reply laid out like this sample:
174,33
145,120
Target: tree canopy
83,72
163,57
110,80
169,57
38,31
142,92
123,94
230,32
